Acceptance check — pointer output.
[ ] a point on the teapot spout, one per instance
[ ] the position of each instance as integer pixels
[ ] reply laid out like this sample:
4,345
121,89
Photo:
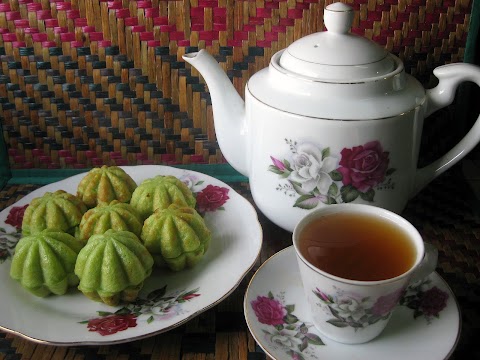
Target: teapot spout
228,109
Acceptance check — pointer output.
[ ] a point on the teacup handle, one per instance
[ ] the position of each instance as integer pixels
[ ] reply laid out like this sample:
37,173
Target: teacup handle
428,264
449,76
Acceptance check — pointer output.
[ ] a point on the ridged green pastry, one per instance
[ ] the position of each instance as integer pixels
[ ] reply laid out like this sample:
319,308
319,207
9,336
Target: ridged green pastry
58,210
44,263
112,267
116,216
159,192
176,237
105,184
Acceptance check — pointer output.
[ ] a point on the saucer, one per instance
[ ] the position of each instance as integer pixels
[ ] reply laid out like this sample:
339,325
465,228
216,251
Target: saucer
280,323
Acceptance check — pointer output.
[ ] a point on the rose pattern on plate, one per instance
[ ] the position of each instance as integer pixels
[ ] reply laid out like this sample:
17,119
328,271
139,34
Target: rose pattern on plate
313,175
210,199
351,310
9,239
15,216
111,324
285,330
157,305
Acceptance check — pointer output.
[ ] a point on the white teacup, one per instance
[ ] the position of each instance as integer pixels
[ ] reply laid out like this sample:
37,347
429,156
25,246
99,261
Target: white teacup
356,311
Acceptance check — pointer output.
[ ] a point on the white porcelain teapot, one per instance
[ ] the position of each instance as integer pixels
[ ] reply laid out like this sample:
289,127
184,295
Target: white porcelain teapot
333,119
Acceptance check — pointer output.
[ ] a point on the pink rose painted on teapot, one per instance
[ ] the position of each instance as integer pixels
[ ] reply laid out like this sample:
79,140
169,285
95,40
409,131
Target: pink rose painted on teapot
365,166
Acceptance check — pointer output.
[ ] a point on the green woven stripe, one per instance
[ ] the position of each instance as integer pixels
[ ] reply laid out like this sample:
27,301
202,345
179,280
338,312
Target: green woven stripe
474,28
223,172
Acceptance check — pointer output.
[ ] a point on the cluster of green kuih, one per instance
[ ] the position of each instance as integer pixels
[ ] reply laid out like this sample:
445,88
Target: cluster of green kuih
107,238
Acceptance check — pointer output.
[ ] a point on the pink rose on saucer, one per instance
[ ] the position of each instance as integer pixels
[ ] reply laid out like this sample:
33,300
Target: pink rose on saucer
268,311
433,301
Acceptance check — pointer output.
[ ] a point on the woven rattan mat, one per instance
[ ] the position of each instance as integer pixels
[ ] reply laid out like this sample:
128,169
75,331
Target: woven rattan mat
445,213
92,82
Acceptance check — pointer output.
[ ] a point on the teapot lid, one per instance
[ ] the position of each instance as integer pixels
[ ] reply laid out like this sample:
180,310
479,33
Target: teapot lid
336,55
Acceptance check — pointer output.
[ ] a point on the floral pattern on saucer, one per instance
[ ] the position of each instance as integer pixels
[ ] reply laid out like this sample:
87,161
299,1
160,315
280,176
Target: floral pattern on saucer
313,176
287,332
426,322
285,329
425,300
156,306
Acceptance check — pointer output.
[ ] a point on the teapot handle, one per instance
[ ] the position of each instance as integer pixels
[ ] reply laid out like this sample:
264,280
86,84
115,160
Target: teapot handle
449,76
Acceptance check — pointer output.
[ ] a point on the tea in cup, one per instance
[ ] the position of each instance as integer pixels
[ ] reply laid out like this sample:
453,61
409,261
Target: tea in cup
355,262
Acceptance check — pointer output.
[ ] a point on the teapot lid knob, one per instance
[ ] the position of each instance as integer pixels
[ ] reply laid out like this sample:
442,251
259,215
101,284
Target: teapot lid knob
336,55
338,18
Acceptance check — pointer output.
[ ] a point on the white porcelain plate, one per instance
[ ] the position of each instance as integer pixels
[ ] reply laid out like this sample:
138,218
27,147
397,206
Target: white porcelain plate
426,326
167,300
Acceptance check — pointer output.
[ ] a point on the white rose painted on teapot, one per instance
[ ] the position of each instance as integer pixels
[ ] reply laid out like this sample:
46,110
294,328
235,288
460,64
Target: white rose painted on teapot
314,176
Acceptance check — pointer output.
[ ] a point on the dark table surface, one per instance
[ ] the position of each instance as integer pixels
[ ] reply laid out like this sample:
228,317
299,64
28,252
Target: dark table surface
446,213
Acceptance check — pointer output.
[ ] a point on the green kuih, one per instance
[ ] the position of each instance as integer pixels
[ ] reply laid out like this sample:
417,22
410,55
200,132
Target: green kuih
177,237
116,216
113,266
57,210
159,192
104,184
44,263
